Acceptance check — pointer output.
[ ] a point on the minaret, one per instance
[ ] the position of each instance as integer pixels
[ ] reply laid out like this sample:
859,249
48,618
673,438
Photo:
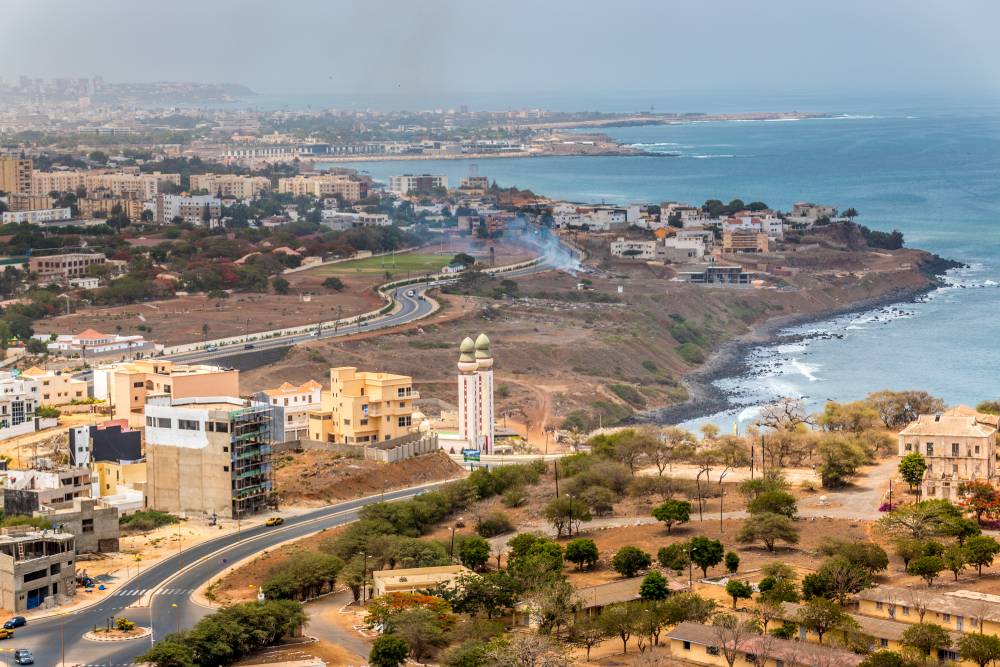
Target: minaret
468,394
484,363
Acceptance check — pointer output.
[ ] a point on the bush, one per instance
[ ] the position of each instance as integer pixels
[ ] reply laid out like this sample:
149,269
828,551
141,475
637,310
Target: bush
601,501
145,520
334,283
305,575
582,552
629,394
609,474
515,497
691,353
47,411
124,625
388,651
493,524
629,561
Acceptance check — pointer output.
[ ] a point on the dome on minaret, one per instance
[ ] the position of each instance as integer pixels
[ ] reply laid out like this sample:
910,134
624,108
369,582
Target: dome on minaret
484,358
467,359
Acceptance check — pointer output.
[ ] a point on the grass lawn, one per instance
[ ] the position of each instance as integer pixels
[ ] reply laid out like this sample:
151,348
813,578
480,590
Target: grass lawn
402,262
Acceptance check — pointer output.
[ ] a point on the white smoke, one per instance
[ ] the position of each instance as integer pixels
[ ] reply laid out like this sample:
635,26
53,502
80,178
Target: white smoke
555,253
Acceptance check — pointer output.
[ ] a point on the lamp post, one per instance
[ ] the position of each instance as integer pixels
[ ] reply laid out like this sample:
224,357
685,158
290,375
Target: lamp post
451,549
570,507
364,577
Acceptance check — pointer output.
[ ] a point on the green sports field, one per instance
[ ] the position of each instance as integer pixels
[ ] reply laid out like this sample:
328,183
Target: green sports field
413,262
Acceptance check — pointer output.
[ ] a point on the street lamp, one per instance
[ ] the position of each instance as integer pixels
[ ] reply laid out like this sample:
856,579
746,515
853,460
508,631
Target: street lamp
451,550
364,577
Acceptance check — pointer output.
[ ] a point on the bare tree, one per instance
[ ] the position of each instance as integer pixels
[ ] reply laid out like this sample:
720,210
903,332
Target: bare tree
733,635
673,444
784,414
528,650
919,601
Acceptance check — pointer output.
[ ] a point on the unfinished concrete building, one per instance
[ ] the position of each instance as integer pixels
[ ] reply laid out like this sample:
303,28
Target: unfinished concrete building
36,567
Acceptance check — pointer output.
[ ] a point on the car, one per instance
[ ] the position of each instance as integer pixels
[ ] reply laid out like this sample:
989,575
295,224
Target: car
409,292
212,348
22,656
248,346
15,622
6,633
274,521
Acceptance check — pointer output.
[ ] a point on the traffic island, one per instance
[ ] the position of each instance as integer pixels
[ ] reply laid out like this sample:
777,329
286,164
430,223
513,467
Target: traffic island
117,635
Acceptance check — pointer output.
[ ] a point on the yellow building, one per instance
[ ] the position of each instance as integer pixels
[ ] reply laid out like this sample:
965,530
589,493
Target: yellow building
127,384
15,175
741,242
55,388
410,580
324,185
231,185
115,477
701,644
28,202
101,207
956,611
363,407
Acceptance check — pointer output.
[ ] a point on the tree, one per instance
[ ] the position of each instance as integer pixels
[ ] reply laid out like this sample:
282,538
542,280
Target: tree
705,553
775,502
979,648
954,559
422,629
280,285
388,651
922,520
672,511
170,653
687,606
674,556
908,548
912,468
554,604
868,555
732,634
618,620
334,283
845,578
565,513
654,587
980,551
979,497
732,562
583,552
816,585
674,444
768,528
588,633
840,458
525,650
737,590
629,561
925,638
927,568
474,552
899,408
820,616
885,659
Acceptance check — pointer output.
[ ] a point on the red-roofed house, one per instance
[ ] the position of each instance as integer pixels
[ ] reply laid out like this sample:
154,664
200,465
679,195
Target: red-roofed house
94,343
296,402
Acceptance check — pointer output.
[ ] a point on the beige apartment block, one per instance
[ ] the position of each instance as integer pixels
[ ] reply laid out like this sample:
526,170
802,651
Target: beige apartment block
27,202
128,384
959,445
36,567
64,267
363,407
740,242
15,175
117,183
56,387
324,185
209,456
102,207
231,185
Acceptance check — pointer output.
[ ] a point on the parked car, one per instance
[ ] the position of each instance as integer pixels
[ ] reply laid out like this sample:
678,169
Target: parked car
274,521
15,622
248,346
22,656
212,348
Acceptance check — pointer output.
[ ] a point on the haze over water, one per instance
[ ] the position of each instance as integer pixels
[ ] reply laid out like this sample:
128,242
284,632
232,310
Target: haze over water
933,174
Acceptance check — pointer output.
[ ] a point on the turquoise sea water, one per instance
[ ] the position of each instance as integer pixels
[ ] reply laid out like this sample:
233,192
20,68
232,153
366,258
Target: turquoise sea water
934,175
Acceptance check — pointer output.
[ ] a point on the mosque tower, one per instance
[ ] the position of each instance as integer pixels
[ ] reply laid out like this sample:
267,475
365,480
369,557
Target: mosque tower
476,417
468,394
484,363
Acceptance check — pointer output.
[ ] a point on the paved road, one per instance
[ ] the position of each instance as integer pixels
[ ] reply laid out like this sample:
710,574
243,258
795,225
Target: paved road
170,606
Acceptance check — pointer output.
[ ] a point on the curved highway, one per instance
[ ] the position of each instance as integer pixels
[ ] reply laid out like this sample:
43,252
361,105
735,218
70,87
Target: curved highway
168,586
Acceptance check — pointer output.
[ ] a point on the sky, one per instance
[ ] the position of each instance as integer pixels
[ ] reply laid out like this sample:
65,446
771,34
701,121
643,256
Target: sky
555,47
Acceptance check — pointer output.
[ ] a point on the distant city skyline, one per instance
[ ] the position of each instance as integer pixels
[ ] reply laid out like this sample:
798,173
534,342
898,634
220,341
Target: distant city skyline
450,48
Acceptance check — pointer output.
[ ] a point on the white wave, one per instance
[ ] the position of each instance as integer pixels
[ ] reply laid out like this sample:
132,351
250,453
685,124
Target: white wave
747,414
654,144
780,120
707,157
805,370
790,348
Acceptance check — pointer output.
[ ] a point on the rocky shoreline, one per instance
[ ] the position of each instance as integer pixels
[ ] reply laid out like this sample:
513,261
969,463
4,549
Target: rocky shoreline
730,360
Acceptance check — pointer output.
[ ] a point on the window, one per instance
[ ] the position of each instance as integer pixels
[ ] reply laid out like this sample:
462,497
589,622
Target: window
954,449
363,422
404,421
163,422
225,468
977,449
347,422
883,643
225,449
946,618
221,427
878,605
712,650
88,525
930,449
138,385
150,421
906,610
187,425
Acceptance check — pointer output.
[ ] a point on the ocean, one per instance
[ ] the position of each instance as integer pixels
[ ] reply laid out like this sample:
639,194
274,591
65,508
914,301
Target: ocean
932,173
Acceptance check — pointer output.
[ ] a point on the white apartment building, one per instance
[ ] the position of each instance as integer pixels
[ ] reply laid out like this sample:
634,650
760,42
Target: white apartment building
404,184
340,220
764,222
634,249
669,249
19,397
194,209
595,218
37,215
296,402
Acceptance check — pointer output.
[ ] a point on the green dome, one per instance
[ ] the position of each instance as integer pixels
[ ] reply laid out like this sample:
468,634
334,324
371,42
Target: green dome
483,343
467,346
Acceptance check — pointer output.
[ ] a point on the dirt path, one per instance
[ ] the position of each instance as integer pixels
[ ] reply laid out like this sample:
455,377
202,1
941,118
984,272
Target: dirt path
329,624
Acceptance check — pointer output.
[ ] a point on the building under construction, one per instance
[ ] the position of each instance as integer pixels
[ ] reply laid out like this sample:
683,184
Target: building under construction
209,456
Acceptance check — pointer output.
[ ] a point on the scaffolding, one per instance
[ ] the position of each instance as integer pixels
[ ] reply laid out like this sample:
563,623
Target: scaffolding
250,451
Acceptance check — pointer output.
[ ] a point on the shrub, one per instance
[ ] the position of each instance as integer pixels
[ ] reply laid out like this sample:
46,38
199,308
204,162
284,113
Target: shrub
691,353
493,524
629,561
654,587
125,625
515,497
145,520
674,556
629,394
388,651
334,283
582,552
600,500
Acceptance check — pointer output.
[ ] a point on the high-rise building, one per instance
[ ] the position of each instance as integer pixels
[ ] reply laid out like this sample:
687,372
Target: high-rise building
209,455
15,175
407,183
476,418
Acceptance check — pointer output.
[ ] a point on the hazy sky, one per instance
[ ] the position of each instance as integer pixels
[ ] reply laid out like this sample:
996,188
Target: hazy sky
440,46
